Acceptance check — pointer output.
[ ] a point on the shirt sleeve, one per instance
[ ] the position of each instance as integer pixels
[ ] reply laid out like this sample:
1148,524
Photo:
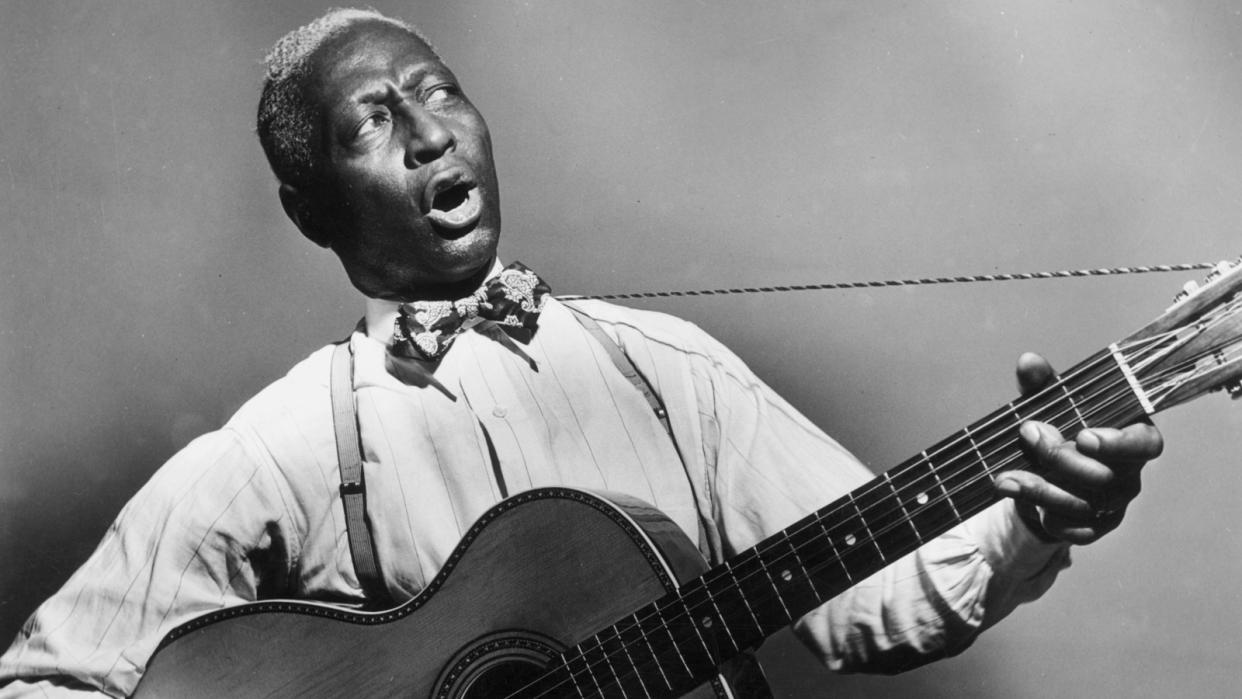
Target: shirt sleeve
769,466
207,531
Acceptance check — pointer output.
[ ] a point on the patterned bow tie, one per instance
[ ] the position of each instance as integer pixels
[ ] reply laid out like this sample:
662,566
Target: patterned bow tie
514,298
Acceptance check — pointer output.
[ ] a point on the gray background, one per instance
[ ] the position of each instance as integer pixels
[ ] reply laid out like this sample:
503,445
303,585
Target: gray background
150,282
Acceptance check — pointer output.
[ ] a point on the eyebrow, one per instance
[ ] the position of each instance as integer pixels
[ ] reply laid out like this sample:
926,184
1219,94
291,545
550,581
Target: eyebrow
414,76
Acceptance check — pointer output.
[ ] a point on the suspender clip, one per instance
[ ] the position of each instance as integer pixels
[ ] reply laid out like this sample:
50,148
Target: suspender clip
352,488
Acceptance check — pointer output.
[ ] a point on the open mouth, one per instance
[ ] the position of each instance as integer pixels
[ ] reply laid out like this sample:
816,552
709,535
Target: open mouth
456,207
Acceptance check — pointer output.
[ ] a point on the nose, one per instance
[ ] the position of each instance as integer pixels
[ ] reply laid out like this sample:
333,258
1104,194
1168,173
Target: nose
429,138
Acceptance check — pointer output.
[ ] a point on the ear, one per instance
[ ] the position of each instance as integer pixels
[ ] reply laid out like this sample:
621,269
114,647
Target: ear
298,209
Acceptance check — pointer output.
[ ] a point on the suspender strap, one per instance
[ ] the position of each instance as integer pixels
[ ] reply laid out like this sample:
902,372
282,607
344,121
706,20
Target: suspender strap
626,366
349,455
353,486
627,369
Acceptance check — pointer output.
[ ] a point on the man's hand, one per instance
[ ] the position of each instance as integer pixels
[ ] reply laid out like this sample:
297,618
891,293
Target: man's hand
1086,484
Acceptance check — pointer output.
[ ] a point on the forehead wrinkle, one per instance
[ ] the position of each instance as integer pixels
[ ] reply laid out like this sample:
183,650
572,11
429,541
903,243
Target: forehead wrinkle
378,82
384,89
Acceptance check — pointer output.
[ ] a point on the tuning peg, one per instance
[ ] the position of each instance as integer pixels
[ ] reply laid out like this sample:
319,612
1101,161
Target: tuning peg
1234,389
1188,289
1218,271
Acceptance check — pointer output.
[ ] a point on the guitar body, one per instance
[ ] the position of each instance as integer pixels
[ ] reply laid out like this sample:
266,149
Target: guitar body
537,574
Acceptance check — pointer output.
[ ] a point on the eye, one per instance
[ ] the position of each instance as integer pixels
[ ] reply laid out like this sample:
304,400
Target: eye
440,95
374,122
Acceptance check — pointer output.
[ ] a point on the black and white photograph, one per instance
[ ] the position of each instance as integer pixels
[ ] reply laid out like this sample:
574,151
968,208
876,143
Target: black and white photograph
658,348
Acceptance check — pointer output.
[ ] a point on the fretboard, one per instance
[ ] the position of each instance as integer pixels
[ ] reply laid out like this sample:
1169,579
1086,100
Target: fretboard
677,642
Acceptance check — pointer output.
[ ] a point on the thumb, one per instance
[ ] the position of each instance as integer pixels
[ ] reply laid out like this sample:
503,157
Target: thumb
1034,373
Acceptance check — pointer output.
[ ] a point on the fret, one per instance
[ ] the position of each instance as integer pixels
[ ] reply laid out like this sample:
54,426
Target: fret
806,574
982,461
599,665
963,476
904,511
1070,397
621,664
694,662
673,639
556,681
605,673
858,553
692,620
760,593
698,597
1068,412
1013,410
737,590
863,520
682,628
885,521
1103,389
944,491
566,663
580,678
836,555
924,503
780,561
659,641
634,631
776,589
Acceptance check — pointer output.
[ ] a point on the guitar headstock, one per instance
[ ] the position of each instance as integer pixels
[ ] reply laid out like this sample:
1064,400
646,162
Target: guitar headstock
1195,346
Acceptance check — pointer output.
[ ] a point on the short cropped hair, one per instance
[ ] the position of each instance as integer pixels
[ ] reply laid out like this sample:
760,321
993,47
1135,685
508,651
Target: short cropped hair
285,119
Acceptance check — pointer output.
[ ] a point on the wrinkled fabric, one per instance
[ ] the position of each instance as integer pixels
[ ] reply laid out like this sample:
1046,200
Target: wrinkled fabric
253,510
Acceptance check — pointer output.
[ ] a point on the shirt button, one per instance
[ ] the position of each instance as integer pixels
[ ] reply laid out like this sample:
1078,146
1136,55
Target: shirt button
499,411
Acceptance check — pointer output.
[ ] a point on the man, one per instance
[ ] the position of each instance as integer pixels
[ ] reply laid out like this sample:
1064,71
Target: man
382,158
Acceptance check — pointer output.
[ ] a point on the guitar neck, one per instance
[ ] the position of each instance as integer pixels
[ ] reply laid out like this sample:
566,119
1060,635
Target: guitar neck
678,641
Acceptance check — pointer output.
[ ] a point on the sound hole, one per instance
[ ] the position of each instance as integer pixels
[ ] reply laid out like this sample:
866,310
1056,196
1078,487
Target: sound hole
497,665
502,679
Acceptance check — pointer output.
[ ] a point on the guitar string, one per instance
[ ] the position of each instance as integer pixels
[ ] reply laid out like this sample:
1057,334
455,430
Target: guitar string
920,281
638,669
988,473
1095,412
885,283
598,665
606,655
641,667
958,444
1127,408
984,435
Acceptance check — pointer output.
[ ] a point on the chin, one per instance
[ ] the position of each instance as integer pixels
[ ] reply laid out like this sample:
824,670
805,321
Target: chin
469,255
455,278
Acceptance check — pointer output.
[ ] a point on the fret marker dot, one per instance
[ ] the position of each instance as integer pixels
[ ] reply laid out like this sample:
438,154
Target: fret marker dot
786,575
850,540
707,622
921,498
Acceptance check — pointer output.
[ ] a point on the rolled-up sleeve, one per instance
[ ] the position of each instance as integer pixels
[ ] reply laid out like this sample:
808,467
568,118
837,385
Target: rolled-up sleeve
206,531
769,466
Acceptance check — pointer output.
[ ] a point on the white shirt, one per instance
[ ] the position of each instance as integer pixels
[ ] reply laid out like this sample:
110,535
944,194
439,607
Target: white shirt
253,510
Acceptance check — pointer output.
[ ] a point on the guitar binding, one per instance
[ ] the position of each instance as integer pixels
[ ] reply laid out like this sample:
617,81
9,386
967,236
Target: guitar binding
323,609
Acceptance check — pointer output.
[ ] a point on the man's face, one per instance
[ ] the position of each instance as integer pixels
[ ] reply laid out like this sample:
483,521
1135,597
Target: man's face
405,177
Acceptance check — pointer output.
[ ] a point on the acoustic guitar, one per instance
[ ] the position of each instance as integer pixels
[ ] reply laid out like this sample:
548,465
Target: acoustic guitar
561,593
